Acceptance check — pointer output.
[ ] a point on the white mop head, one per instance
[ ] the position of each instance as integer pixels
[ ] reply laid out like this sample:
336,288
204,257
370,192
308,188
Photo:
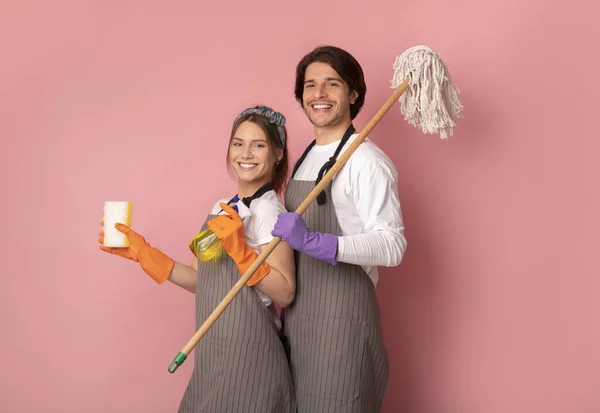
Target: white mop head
116,211
431,101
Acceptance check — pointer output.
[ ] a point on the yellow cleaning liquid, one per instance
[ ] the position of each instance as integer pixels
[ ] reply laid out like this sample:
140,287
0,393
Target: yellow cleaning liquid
206,245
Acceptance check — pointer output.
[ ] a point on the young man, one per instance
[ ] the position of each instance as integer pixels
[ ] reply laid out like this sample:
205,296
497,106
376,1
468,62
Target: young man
338,359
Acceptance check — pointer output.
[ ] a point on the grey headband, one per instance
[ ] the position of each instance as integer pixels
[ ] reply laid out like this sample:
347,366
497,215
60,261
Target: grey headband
272,116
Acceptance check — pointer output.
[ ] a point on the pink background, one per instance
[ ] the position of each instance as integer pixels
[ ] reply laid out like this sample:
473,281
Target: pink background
495,306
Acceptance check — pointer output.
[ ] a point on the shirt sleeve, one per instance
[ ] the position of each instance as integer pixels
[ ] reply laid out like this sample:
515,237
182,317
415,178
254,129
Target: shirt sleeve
382,241
263,221
217,207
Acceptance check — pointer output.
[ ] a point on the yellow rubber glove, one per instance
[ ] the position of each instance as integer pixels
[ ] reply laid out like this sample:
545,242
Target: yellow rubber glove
230,230
154,262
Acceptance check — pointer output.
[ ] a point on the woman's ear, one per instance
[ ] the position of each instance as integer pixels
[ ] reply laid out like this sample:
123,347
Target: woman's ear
279,154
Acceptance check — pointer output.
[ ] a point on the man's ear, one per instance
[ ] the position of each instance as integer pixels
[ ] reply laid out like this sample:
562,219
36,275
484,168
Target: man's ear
353,97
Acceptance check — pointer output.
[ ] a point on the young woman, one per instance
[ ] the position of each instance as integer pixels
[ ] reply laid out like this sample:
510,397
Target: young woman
240,364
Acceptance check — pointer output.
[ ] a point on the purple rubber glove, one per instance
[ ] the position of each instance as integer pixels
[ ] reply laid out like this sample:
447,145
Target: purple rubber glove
291,228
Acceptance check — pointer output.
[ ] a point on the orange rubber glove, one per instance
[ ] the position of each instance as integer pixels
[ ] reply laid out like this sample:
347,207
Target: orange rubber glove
230,230
153,261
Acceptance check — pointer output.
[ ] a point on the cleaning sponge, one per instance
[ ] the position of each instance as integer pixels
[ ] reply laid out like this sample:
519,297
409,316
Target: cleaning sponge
116,212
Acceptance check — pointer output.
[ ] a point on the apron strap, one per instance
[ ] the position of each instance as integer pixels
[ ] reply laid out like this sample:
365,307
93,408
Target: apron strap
322,198
306,151
284,340
260,192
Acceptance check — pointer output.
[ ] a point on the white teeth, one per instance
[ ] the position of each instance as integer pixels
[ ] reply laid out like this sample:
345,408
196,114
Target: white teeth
322,106
247,165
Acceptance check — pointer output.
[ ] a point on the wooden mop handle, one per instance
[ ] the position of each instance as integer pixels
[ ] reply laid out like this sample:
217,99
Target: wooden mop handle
180,358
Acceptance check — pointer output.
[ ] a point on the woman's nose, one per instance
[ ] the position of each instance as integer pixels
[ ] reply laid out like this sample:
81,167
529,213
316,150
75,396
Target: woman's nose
247,153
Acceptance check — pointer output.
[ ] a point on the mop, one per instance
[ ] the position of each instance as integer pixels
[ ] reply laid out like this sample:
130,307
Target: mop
429,100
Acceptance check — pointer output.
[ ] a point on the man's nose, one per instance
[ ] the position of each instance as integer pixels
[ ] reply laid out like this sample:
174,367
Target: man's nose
319,91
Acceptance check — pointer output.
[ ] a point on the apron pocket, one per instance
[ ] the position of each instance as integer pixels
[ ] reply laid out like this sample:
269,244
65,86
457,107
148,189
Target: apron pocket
327,357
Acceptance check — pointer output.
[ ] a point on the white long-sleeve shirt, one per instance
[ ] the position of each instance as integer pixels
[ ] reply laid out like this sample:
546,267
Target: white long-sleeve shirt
366,202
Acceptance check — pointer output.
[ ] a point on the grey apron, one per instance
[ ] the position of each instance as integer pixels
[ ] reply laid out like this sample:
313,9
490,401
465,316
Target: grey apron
240,364
338,360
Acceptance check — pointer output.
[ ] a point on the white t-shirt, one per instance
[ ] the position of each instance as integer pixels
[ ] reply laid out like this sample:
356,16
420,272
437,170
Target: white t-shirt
259,221
366,202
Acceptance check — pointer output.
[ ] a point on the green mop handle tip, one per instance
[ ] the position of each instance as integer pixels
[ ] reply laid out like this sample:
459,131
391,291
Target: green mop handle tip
410,74
178,361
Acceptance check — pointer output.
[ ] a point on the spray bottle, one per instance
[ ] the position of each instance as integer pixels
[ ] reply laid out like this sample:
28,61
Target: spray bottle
206,245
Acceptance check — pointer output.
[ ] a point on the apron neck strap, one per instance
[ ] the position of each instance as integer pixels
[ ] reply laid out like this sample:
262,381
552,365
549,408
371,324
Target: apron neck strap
327,165
301,159
322,198
248,200
260,192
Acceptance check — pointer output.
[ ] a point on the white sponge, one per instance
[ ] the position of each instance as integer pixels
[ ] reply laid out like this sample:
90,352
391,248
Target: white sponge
116,212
